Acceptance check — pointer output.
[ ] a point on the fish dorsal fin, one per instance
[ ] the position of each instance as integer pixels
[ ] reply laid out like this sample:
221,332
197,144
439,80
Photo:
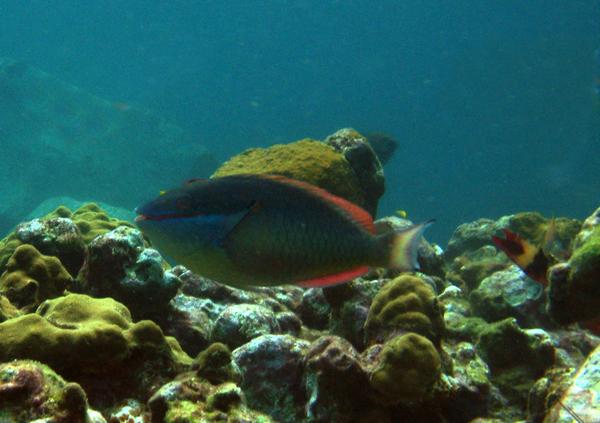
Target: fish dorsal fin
338,278
356,213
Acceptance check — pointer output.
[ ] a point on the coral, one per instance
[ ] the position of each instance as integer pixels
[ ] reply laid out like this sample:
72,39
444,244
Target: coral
90,341
408,367
7,309
239,323
574,290
93,221
30,390
31,278
405,304
509,293
191,399
120,266
306,160
362,158
272,367
214,364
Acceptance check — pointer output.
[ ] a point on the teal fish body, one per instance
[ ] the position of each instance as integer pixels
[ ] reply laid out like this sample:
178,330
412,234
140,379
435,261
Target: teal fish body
252,230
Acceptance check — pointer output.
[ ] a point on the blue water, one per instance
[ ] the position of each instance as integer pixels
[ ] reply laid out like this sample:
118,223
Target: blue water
494,104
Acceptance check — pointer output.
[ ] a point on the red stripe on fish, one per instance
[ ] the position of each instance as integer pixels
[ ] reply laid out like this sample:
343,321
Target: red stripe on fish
331,280
357,214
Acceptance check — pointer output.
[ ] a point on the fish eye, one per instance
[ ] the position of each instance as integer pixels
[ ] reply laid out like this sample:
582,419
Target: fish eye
184,203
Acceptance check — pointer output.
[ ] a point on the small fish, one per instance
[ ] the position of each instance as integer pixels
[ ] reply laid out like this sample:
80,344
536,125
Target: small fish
532,259
265,230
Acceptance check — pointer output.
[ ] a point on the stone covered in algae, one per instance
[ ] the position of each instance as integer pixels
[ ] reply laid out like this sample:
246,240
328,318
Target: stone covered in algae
61,233
31,278
306,160
408,367
30,390
95,343
516,357
192,399
214,364
405,304
574,289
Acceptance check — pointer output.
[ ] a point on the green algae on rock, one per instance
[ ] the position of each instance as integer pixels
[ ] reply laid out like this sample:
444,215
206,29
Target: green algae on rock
305,160
409,366
91,340
405,304
30,390
574,289
214,364
31,278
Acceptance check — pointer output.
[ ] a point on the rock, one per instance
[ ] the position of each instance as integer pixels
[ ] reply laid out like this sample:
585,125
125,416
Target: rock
574,294
240,323
186,321
191,399
365,163
582,397
272,369
336,382
470,237
349,309
314,308
305,160
120,266
470,268
467,389
31,278
31,391
510,293
214,364
515,369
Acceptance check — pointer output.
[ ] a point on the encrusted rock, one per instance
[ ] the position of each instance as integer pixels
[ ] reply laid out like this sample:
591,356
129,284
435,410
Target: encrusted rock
239,323
272,369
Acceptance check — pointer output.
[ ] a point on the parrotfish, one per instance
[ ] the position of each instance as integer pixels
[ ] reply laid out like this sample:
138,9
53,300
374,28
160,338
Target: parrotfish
266,230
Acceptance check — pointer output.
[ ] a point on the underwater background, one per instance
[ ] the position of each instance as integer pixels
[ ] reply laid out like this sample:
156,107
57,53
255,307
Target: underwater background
494,105
151,273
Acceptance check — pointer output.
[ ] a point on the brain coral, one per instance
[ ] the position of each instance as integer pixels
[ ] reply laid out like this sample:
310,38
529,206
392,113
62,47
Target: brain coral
94,342
306,160
31,278
409,365
405,304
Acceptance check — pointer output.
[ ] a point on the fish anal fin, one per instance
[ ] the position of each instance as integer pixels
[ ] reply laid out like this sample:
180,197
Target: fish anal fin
335,279
356,213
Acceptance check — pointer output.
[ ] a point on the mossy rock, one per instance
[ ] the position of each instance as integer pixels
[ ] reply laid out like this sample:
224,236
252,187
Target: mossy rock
7,309
575,288
31,278
30,390
305,160
90,219
405,304
95,343
93,221
408,369
214,364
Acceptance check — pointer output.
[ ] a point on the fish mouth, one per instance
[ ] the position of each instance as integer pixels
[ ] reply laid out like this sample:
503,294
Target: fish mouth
141,217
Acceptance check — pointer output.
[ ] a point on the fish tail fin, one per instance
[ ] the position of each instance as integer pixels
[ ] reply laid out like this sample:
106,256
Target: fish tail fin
399,248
